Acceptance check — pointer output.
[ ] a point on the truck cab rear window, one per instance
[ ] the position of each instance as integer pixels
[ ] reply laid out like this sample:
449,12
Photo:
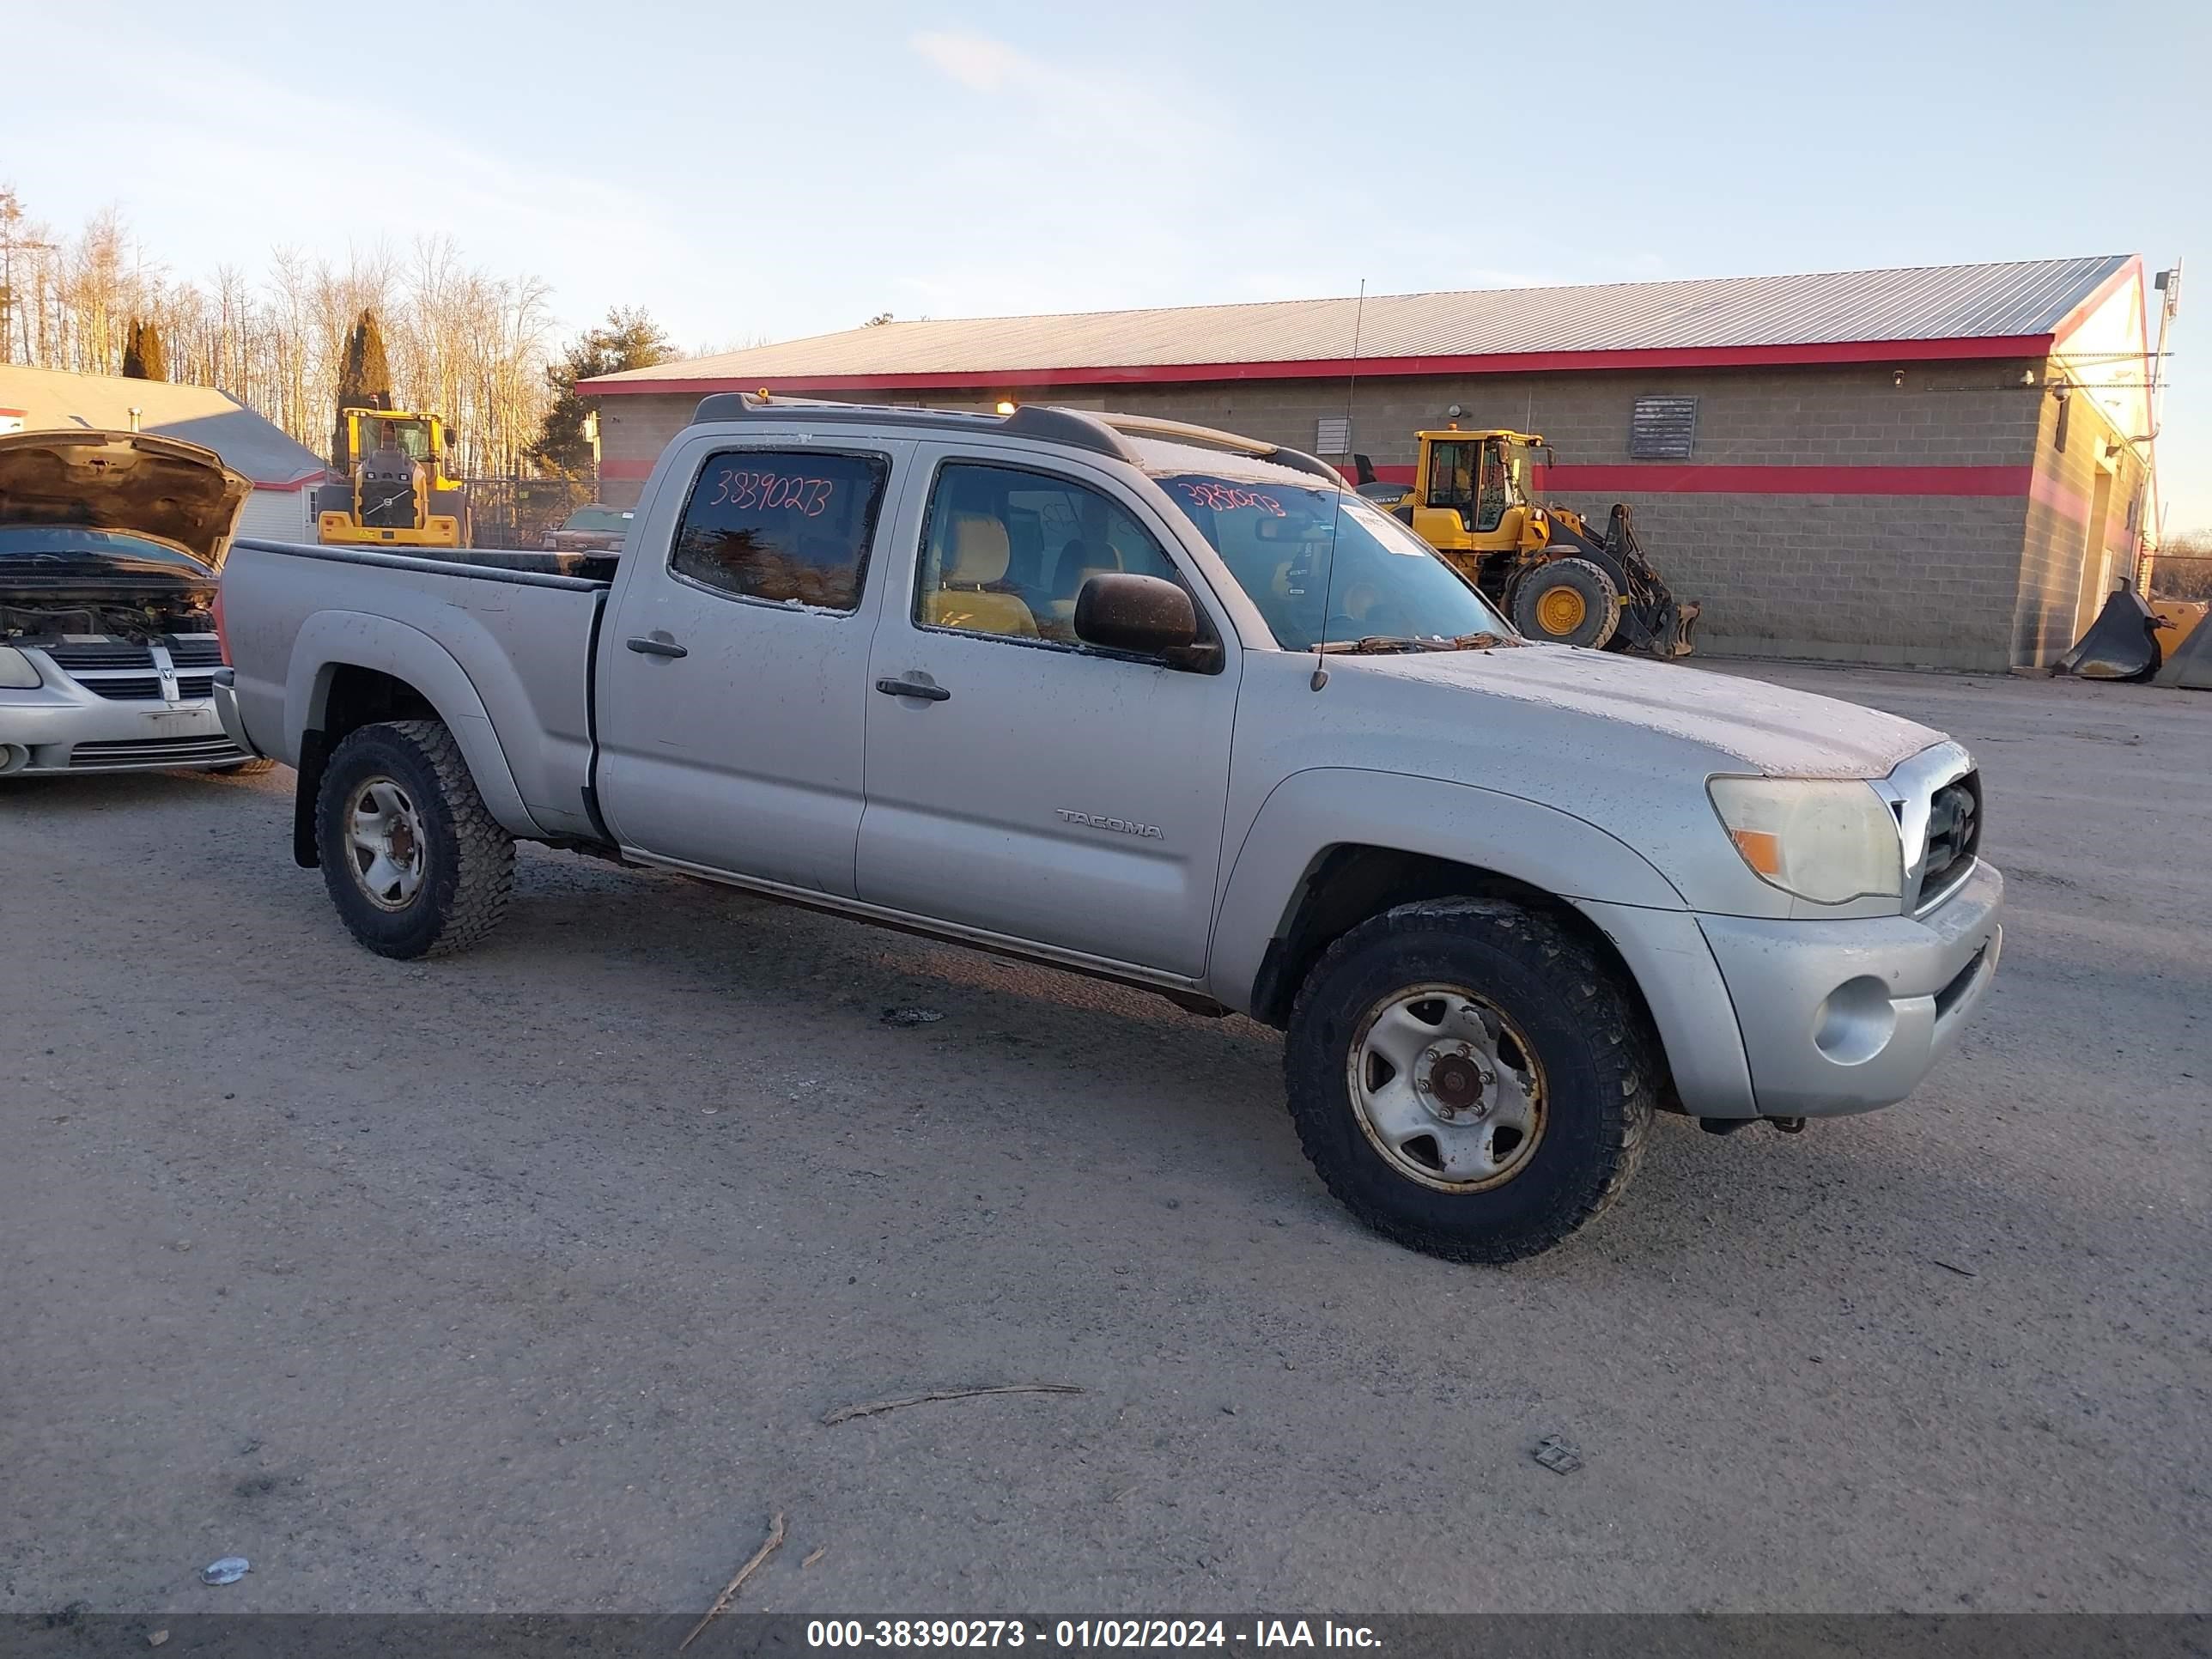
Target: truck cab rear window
782,528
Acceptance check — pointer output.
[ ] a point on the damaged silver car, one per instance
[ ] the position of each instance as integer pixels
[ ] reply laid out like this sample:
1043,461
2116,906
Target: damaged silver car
111,543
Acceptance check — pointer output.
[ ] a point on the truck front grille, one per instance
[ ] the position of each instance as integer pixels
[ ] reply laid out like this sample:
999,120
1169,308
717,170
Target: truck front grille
1955,836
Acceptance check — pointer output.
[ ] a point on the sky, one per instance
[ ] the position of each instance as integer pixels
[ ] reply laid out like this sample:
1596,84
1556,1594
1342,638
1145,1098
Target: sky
749,173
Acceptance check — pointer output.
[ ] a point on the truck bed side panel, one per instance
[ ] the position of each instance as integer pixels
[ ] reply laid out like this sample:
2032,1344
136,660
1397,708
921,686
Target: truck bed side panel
294,616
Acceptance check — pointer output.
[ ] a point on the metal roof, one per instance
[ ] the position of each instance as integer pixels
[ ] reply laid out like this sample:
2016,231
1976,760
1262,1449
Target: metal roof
51,397
1767,315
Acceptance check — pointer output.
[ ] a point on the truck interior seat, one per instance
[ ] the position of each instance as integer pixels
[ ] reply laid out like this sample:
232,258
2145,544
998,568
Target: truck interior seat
977,558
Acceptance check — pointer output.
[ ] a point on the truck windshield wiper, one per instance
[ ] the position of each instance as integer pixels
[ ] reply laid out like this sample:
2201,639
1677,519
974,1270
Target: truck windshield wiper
1382,644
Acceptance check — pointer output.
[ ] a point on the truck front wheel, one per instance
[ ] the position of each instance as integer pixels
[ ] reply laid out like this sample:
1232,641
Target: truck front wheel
414,863
1469,1078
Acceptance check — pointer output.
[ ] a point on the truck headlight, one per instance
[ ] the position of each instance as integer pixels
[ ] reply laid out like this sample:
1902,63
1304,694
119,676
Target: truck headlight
17,672
1824,839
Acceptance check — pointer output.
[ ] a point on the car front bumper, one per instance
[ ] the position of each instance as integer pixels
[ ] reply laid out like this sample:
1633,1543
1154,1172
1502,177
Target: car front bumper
1841,1016
65,728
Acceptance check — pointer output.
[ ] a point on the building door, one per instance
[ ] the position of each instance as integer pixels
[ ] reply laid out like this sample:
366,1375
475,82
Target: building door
2096,557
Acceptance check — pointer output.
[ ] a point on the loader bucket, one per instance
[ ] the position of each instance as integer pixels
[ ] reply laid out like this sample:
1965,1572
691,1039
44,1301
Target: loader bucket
2122,644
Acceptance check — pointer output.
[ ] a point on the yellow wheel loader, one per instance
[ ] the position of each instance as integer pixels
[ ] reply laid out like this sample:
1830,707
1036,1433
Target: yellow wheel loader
392,490
1545,567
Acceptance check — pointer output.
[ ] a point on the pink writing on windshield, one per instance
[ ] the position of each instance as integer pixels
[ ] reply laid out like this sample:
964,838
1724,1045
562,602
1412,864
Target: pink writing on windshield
1227,498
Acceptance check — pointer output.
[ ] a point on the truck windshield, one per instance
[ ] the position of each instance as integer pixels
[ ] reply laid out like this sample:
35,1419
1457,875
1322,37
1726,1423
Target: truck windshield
1381,580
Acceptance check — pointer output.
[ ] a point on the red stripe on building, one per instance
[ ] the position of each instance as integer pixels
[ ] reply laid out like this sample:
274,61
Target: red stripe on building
1517,362
626,470
1653,480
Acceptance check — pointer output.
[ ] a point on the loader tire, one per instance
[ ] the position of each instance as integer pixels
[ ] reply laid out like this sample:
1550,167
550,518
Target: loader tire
1427,1035
414,863
1567,602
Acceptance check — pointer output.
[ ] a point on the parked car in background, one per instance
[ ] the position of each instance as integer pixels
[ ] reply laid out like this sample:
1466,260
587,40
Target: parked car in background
111,545
589,530
1176,709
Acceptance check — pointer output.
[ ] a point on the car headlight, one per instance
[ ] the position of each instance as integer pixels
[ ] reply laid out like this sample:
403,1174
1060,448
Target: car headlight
1824,839
17,672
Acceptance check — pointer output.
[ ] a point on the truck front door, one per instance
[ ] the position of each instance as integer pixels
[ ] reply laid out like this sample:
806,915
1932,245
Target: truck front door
1020,781
732,670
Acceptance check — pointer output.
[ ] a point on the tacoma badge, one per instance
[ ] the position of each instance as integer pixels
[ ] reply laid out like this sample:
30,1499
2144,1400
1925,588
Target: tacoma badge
1126,826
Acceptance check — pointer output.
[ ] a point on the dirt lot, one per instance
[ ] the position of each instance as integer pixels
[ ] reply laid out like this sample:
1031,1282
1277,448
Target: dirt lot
523,1281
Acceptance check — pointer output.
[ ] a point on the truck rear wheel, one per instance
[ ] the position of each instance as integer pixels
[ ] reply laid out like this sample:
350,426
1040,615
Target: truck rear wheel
1567,602
414,863
1469,1079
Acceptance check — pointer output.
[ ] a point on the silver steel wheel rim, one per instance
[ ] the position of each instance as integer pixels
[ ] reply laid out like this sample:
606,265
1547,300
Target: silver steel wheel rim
384,843
1447,1088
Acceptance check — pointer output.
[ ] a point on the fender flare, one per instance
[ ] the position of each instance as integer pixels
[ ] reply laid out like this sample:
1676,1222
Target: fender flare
331,640
1311,812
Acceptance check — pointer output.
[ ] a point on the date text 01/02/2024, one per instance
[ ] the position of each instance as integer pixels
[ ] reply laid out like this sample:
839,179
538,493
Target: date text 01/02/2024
1087,1634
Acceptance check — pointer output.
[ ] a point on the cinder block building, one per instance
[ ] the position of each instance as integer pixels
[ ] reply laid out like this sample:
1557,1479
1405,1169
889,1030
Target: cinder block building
1947,466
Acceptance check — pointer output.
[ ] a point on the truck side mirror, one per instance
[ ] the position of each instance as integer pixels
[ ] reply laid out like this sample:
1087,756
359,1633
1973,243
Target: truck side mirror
1147,615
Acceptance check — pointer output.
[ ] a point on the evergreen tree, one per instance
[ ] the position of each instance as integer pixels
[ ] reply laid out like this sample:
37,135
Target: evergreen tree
628,339
153,355
134,357
364,380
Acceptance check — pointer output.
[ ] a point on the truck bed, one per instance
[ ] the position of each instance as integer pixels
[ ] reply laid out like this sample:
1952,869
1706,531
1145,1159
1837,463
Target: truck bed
511,633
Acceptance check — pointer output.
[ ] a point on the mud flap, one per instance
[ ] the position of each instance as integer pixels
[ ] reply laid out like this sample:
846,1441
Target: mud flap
2122,644
308,783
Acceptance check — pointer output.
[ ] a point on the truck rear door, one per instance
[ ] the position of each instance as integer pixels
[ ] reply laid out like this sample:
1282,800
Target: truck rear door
732,671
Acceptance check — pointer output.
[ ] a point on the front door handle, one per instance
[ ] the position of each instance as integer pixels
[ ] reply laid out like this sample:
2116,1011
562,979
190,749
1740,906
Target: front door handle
913,688
653,648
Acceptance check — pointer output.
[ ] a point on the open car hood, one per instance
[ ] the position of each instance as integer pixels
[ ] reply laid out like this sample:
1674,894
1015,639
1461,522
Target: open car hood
131,482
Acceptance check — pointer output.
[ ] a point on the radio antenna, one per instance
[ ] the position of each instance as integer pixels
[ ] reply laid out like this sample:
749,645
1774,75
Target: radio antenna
1336,510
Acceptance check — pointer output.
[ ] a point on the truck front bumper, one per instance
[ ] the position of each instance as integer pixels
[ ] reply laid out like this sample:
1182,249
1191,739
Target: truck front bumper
1841,1016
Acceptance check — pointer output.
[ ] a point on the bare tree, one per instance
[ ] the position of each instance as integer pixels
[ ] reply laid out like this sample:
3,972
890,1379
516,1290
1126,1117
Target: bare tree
464,344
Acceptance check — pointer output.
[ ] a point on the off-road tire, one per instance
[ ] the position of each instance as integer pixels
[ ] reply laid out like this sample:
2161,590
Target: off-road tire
1589,1032
1601,602
469,859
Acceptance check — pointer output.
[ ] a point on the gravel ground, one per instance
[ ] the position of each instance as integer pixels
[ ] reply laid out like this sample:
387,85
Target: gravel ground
522,1281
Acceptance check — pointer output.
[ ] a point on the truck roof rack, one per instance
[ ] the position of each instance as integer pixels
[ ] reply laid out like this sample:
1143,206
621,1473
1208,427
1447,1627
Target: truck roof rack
1207,437
1076,428
1041,420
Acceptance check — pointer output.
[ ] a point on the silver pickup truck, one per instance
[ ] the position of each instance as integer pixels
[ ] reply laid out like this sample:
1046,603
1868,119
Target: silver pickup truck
1176,709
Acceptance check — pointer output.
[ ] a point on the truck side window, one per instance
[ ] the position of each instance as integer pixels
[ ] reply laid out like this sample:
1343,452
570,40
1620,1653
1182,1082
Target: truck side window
784,528
1006,551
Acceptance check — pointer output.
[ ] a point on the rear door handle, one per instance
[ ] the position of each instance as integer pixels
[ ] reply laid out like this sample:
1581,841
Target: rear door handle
652,647
913,688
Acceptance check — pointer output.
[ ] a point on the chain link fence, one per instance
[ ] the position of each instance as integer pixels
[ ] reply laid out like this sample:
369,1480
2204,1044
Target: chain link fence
516,513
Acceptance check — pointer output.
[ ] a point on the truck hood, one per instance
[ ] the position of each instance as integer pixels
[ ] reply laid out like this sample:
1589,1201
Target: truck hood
157,487
1767,729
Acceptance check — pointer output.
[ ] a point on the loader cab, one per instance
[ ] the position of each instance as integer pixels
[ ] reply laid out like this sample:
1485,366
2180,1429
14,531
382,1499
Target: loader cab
1471,490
